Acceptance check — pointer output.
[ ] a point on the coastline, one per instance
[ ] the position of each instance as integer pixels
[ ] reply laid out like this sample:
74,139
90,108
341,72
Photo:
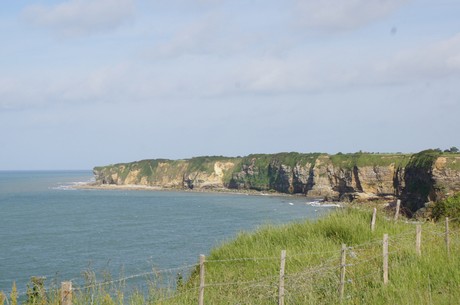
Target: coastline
138,187
312,201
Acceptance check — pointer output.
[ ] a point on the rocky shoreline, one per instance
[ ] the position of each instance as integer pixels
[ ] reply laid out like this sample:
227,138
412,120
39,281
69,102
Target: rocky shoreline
137,187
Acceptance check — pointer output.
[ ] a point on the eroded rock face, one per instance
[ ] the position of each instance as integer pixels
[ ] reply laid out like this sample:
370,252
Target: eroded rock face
324,181
164,174
447,177
133,177
376,179
275,176
242,179
205,180
302,180
281,177
168,175
348,183
321,179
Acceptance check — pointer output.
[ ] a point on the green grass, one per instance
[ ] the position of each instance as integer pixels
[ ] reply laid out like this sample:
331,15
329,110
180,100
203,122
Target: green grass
312,266
313,258
453,161
245,270
424,159
360,159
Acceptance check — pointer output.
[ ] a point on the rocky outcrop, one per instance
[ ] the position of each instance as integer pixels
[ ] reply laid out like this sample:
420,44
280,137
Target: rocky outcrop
446,173
203,172
349,181
426,176
430,176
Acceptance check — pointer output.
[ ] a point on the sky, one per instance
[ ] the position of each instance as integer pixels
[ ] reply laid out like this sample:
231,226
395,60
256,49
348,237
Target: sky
85,83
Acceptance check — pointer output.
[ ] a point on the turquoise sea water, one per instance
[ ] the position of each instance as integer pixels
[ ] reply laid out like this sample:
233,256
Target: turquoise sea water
49,229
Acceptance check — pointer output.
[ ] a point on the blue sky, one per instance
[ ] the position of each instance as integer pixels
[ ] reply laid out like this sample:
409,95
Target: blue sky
95,82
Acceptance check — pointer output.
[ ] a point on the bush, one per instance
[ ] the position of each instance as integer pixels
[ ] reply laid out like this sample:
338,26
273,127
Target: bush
449,207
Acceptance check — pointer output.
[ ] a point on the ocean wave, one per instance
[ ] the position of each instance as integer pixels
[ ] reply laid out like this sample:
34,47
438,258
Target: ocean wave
70,186
317,203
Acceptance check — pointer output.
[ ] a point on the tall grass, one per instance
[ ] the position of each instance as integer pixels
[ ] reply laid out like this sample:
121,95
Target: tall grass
245,270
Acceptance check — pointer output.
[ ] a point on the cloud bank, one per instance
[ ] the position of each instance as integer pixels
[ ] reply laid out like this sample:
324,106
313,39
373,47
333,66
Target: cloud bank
333,15
81,17
198,75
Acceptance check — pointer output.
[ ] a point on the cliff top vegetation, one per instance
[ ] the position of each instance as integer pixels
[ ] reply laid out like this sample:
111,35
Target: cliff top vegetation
291,159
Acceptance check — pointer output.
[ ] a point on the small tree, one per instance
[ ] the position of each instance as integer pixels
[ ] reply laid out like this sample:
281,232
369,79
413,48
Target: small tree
453,149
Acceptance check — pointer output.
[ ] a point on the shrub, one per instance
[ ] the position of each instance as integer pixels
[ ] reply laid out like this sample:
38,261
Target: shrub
36,292
449,207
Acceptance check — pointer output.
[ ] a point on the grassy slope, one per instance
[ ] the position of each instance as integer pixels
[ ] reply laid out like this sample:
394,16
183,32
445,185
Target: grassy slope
312,271
348,161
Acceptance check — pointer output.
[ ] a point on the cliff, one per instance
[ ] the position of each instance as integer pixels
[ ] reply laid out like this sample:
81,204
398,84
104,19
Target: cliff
200,172
416,179
430,176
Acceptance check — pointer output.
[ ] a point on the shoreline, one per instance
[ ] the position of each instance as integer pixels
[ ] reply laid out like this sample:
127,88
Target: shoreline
138,187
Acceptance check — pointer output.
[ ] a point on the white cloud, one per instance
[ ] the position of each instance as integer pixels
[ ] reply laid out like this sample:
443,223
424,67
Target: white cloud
441,59
197,76
7,88
196,37
81,17
303,72
271,74
209,35
57,89
13,96
333,15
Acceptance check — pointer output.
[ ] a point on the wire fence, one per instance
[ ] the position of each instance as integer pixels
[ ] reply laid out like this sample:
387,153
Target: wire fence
344,270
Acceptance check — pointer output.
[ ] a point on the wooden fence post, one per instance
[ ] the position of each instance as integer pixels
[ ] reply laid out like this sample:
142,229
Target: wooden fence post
385,259
66,293
201,297
281,285
374,216
343,261
418,240
398,205
447,237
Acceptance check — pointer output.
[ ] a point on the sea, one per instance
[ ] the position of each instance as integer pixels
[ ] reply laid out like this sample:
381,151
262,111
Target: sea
51,229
